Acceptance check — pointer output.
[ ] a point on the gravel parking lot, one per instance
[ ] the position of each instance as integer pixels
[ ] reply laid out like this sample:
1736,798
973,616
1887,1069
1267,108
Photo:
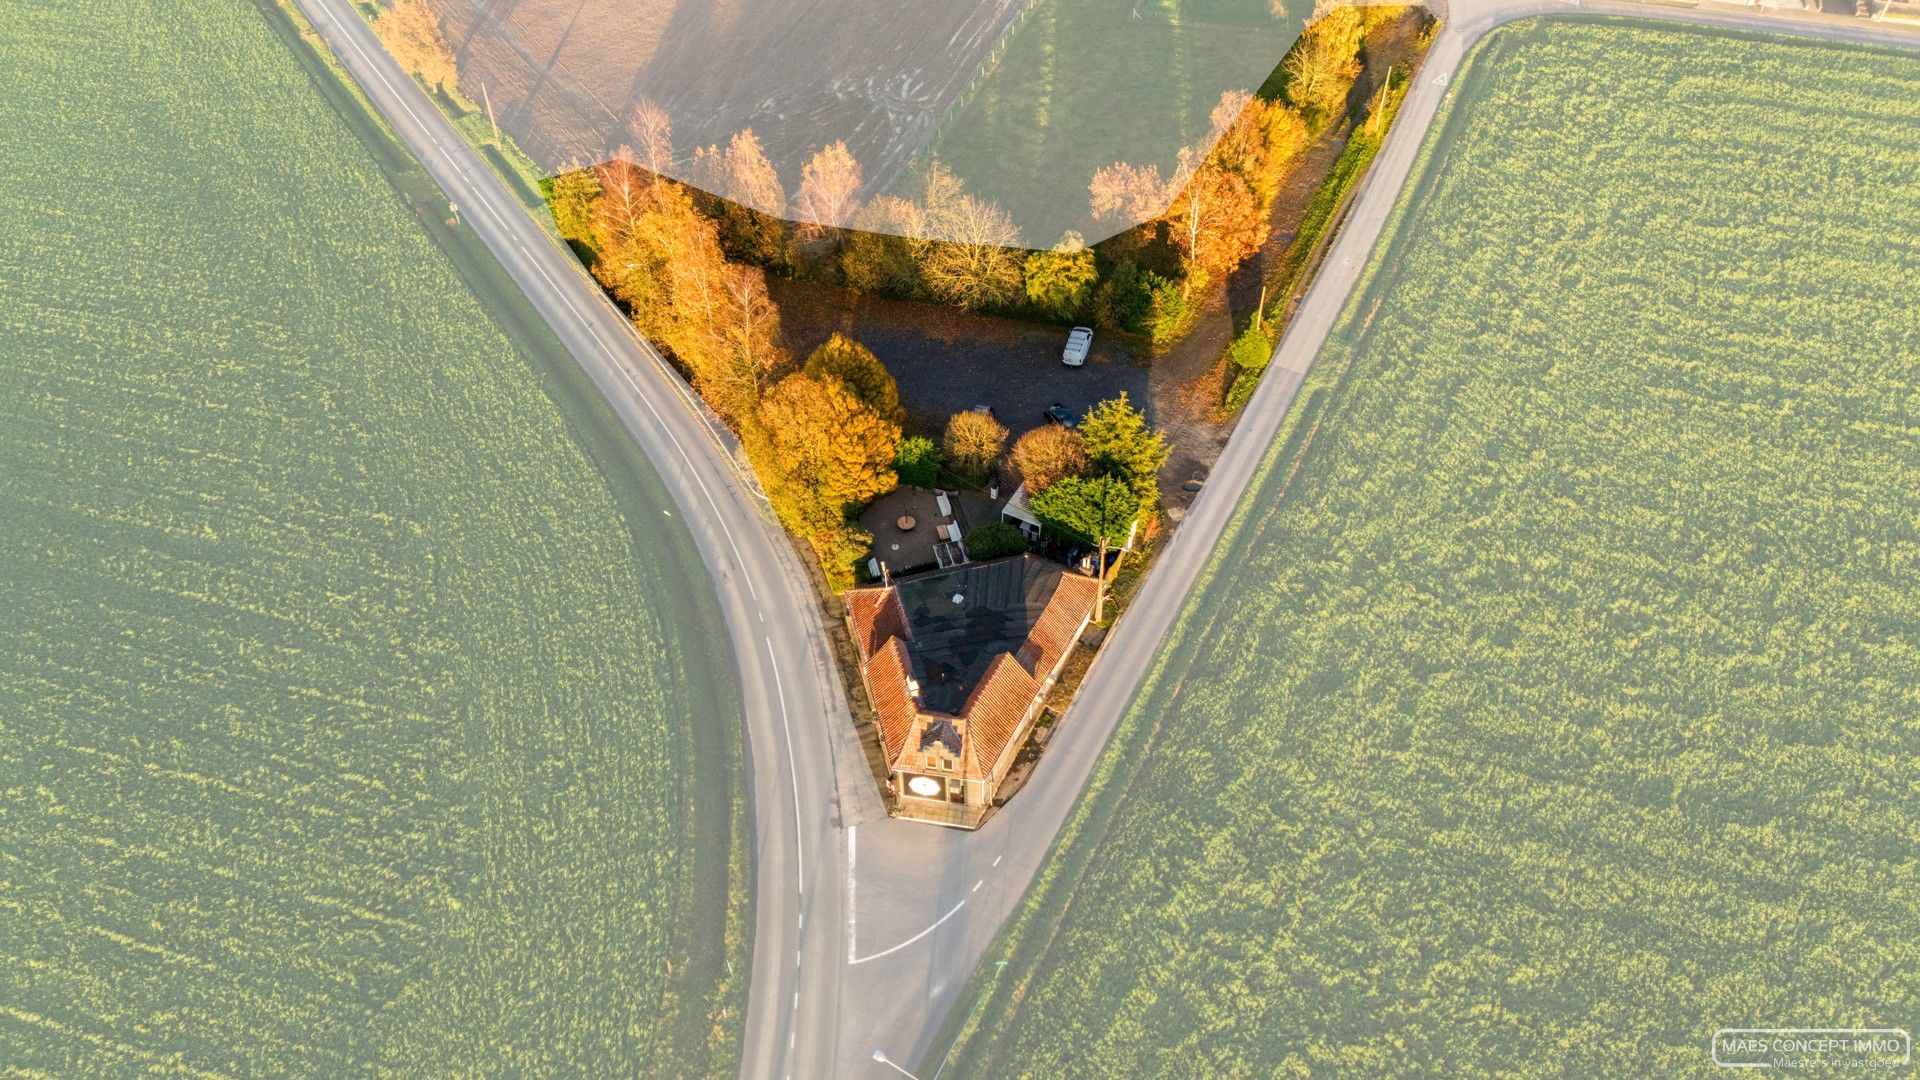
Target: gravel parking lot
947,360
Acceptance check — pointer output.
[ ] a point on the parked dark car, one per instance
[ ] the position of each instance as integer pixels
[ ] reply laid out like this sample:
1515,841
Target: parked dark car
1060,414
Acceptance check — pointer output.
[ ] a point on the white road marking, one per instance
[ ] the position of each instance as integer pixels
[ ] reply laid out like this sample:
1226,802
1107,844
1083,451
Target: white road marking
997,858
561,295
914,938
793,774
977,884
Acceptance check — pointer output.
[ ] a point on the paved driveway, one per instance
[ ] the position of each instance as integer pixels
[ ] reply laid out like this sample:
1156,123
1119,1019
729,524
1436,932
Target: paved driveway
947,360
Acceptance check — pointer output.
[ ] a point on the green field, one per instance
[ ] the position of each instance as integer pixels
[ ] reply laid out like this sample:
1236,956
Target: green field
1079,84
352,679
1552,700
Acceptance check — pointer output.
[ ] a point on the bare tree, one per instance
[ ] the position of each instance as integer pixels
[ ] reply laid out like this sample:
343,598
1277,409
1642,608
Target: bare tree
652,131
975,260
748,178
1130,193
1227,113
623,197
830,187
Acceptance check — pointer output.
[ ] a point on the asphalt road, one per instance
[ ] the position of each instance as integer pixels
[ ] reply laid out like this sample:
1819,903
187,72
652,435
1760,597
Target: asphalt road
866,928
792,698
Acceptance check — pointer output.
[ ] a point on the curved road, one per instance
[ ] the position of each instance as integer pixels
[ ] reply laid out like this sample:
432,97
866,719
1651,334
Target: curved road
866,928
792,697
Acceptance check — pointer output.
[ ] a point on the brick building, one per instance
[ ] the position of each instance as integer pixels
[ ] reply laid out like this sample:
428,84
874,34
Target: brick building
957,665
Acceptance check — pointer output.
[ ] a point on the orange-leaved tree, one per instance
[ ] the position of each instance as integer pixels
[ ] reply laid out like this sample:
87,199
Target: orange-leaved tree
1049,454
411,32
865,377
661,257
751,225
829,455
973,441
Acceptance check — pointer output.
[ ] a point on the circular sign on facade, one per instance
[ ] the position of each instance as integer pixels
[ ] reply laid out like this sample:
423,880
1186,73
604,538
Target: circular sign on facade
924,786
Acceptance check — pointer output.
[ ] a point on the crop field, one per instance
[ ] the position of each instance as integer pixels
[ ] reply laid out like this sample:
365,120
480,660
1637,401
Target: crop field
1077,84
1551,701
351,677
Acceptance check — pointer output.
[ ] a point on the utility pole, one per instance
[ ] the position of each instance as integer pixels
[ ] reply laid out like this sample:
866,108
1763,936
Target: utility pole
489,102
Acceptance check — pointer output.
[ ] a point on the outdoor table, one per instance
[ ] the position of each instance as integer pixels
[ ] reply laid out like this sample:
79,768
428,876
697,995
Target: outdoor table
906,522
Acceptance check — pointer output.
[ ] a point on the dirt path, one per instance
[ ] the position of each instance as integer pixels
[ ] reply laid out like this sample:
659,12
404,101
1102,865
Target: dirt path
1183,383
1183,394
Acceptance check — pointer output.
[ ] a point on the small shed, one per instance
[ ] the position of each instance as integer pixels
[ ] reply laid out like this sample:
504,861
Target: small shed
1018,512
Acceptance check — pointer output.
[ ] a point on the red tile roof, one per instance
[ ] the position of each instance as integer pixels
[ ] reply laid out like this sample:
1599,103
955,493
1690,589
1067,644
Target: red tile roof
994,712
892,703
999,704
1059,624
876,615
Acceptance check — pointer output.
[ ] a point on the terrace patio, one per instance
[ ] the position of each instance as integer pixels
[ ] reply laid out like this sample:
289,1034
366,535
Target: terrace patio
906,550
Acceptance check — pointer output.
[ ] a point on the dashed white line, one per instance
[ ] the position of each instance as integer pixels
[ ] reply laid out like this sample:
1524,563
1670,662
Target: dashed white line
560,294
997,858
793,774
976,885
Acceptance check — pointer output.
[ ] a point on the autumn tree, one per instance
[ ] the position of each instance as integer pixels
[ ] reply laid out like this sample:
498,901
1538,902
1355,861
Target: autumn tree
836,452
753,201
1059,281
969,253
972,444
412,33
880,254
1215,222
864,376
1283,137
1099,509
633,269
749,178
1049,454
1256,139
625,196
662,259
576,192
1321,66
1120,444
1233,106
735,331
